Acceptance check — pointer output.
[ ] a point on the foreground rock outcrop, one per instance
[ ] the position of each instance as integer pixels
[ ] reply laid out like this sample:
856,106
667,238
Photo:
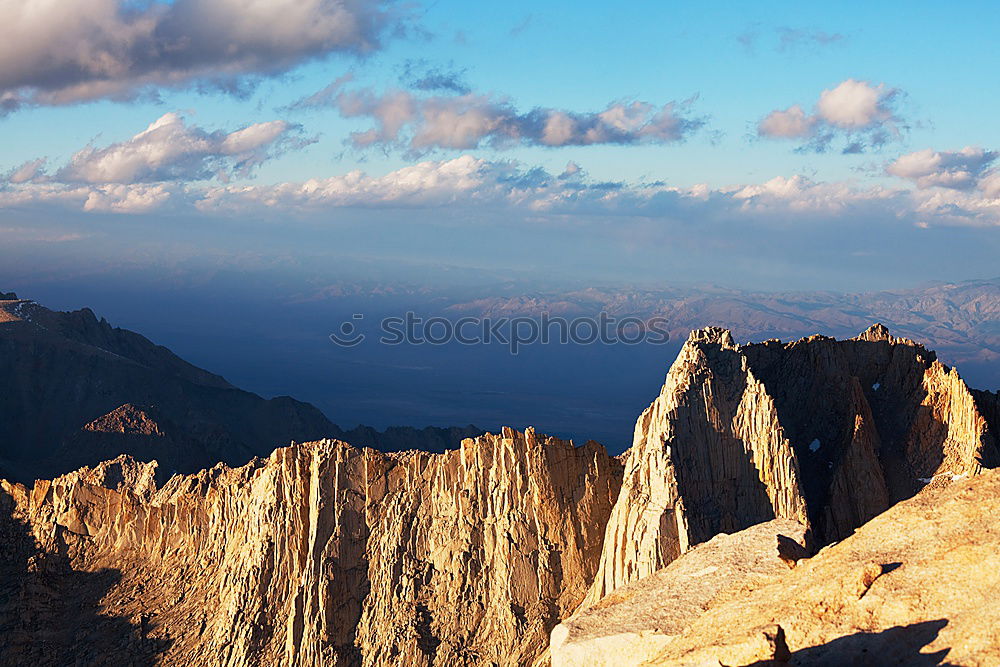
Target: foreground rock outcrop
637,621
320,554
828,433
916,585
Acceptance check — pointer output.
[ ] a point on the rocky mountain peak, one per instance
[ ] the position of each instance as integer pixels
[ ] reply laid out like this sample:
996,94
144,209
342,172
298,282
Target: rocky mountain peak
321,553
126,419
875,332
879,333
829,433
712,335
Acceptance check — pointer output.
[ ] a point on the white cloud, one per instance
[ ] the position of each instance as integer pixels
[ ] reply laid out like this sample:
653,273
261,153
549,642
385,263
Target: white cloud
572,170
471,120
424,184
990,184
791,123
468,184
55,52
127,198
170,149
861,112
32,170
476,183
113,198
855,105
960,170
149,170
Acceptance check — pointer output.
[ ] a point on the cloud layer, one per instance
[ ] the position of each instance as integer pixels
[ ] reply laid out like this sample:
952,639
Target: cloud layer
54,52
861,113
418,124
467,183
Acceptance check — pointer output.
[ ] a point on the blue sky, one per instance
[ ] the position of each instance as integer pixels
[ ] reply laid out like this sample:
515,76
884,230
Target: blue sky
701,185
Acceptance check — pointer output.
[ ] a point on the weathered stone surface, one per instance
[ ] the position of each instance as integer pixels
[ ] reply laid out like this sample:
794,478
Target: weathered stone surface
636,621
917,585
829,433
320,554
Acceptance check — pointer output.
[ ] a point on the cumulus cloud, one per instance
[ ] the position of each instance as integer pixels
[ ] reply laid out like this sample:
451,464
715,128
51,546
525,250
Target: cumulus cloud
171,150
990,184
791,123
110,198
959,170
127,198
54,52
424,184
422,123
863,113
572,170
150,169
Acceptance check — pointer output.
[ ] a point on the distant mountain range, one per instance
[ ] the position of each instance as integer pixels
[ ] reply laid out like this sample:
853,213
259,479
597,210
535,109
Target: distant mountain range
78,391
960,320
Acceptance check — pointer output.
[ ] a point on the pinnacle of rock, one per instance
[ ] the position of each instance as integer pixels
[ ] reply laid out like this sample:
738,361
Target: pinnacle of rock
874,333
712,335
829,433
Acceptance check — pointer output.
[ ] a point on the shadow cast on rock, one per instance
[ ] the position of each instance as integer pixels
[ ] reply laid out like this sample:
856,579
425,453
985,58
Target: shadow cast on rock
51,614
899,645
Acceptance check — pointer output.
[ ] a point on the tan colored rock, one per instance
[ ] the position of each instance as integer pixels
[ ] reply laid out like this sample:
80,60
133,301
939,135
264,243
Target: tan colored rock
917,585
638,620
320,554
829,433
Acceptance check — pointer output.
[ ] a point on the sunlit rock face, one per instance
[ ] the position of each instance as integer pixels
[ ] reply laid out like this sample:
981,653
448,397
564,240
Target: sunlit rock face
322,553
829,433
329,554
916,585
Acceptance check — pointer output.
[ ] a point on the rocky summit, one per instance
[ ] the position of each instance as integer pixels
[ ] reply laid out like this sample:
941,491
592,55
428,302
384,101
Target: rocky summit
825,432
697,546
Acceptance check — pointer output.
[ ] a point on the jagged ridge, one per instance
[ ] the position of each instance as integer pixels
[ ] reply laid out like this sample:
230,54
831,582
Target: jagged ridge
323,553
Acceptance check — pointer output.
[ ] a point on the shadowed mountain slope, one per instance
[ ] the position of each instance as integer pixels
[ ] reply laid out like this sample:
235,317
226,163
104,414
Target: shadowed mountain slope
78,391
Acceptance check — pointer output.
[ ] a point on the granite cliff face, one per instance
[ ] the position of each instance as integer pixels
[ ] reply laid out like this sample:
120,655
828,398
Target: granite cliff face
320,554
828,433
